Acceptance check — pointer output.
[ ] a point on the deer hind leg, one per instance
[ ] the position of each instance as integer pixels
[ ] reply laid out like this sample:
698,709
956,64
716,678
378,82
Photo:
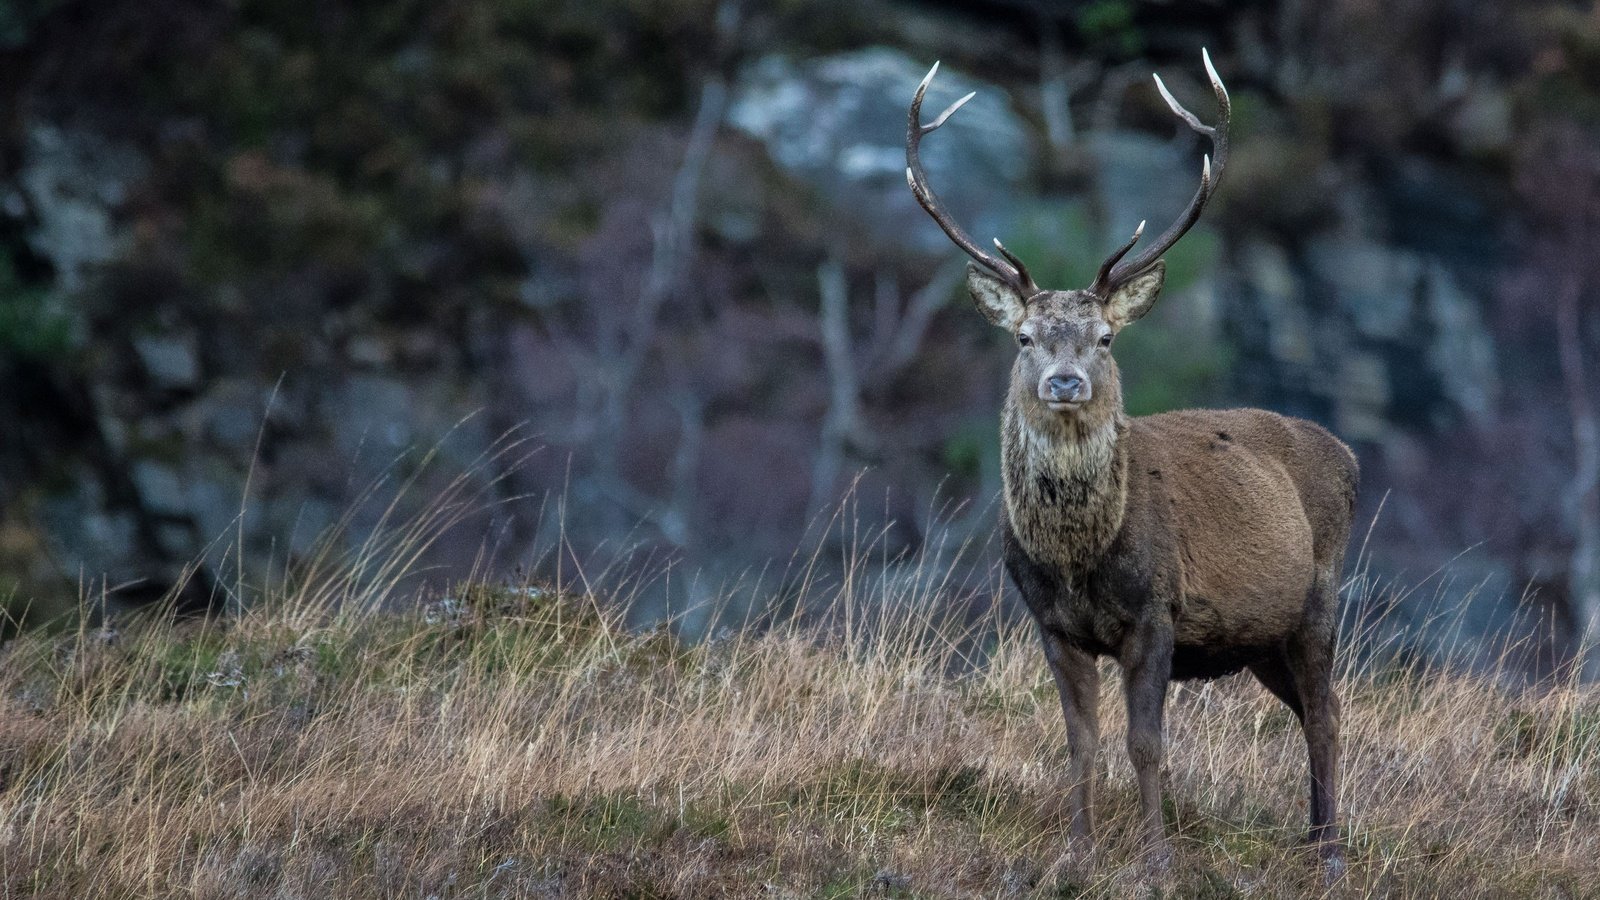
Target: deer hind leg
1310,659
1078,682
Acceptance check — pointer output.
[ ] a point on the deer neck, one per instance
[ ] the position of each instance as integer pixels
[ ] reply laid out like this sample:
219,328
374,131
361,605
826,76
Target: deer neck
1065,479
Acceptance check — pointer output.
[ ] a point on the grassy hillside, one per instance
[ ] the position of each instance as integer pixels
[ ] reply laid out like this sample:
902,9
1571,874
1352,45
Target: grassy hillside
516,741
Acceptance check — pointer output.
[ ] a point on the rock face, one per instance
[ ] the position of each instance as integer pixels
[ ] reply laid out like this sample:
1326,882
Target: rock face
1363,335
257,312
172,452
838,123
72,181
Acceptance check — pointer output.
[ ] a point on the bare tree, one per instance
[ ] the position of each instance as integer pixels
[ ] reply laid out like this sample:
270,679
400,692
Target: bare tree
1584,496
614,356
899,326
841,424
1560,183
1058,81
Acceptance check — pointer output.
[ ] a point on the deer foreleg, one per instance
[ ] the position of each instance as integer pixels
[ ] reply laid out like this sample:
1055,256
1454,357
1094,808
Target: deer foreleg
1078,682
1146,667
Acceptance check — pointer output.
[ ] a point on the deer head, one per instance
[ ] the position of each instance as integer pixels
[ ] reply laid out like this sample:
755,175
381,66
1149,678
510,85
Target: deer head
1064,338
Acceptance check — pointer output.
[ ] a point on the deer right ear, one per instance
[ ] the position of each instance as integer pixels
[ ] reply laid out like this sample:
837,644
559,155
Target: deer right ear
999,302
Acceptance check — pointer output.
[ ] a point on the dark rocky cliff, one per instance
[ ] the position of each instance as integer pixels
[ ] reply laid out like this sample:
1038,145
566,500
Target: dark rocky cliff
298,247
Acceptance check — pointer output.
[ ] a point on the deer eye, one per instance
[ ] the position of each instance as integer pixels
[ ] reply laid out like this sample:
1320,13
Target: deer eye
1105,340
1024,341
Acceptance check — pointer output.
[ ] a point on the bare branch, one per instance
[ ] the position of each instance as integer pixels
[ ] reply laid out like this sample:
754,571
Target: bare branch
902,344
673,230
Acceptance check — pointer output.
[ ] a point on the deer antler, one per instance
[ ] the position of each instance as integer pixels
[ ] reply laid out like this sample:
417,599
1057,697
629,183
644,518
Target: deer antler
1113,272
1010,269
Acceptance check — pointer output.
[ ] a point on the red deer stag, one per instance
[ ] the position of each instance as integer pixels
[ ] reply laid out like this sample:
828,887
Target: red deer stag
1188,544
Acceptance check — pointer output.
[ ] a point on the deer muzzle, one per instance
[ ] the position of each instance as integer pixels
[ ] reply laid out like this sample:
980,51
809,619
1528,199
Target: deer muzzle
1065,390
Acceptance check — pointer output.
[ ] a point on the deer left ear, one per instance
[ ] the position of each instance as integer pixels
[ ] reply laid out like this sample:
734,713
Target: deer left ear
1135,297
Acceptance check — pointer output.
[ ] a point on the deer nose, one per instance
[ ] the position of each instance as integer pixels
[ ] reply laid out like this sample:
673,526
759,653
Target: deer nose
1069,388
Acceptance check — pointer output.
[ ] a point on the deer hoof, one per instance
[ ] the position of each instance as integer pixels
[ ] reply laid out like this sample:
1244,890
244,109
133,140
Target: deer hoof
1158,857
1075,863
1333,864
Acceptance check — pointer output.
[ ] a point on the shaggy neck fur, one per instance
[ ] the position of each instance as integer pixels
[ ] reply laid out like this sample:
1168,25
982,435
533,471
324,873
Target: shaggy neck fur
1065,477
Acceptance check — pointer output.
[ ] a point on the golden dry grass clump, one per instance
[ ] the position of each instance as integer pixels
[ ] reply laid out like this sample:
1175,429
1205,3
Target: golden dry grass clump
518,741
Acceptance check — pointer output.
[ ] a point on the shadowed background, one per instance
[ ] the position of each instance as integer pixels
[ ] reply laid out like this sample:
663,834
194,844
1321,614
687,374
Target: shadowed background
257,256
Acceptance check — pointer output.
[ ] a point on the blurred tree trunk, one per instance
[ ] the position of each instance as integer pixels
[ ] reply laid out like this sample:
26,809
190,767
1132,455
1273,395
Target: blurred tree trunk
1584,497
1559,181
841,426
900,326
673,252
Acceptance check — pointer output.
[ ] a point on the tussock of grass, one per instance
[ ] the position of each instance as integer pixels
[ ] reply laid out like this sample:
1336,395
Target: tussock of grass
520,742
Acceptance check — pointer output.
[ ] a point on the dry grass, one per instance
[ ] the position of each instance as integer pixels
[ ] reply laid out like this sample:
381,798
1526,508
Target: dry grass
520,742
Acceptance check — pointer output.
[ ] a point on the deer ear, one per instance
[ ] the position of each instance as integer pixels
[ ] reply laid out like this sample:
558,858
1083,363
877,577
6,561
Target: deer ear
999,302
1135,297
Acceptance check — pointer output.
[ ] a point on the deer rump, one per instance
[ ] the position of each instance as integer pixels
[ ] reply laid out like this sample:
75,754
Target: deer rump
1234,509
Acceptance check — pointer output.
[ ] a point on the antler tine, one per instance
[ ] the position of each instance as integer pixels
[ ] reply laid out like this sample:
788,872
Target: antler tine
1010,269
1022,270
1102,279
1114,274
